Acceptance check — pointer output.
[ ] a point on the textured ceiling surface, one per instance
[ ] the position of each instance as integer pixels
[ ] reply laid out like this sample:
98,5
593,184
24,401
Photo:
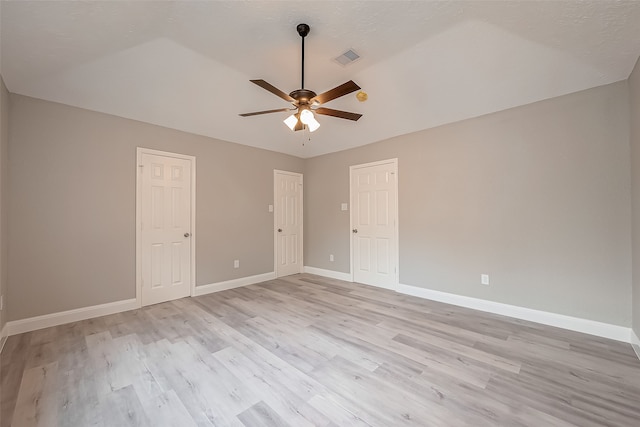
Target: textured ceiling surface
186,64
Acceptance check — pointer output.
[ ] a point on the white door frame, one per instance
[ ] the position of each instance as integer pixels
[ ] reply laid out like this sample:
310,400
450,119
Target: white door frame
275,219
139,152
394,162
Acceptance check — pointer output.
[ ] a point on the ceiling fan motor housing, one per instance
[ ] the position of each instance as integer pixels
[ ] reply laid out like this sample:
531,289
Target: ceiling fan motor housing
302,96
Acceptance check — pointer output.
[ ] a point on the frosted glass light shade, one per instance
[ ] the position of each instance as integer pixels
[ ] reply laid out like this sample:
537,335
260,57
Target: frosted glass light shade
306,117
313,124
291,121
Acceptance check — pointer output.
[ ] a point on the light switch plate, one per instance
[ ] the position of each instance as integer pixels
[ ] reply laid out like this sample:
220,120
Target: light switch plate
344,207
270,208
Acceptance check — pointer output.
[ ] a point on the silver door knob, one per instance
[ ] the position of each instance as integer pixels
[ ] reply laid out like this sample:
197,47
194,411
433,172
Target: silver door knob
279,230
355,230
187,234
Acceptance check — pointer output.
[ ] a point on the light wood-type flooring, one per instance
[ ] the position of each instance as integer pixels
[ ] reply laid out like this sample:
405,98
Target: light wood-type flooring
310,351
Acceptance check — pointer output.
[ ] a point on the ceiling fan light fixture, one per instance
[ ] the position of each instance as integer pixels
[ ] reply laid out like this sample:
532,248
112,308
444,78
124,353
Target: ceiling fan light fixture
313,124
291,121
307,118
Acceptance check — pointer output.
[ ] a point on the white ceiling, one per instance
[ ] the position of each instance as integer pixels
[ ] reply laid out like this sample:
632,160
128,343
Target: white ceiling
186,65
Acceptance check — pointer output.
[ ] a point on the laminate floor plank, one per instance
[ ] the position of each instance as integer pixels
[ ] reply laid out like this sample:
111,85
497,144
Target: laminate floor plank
395,406
78,402
261,414
510,389
466,351
37,403
460,398
168,410
454,367
339,416
305,350
204,394
283,400
123,408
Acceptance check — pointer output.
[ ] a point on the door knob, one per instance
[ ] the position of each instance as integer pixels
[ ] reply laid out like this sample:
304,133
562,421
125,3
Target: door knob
187,234
355,230
279,230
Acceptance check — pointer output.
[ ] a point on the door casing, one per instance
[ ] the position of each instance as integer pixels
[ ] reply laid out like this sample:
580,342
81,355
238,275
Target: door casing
394,164
139,152
275,219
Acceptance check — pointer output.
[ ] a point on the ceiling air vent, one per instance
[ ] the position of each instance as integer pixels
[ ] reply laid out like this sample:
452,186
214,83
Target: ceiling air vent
347,58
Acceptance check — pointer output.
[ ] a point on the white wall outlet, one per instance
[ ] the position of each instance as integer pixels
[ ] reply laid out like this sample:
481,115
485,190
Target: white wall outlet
270,208
331,257
1,302
484,279
236,263
344,207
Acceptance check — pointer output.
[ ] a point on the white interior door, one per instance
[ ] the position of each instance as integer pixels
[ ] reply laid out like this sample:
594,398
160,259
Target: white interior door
165,221
374,220
288,223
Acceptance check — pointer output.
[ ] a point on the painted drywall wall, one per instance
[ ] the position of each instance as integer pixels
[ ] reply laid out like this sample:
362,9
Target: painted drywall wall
4,199
634,137
535,196
72,210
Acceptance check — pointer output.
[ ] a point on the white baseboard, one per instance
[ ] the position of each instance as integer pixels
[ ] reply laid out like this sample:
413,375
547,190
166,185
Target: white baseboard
45,321
4,334
606,330
328,273
635,343
233,283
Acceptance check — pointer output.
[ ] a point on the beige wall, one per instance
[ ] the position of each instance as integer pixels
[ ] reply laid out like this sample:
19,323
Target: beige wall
634,96
535,196
4,170
72,211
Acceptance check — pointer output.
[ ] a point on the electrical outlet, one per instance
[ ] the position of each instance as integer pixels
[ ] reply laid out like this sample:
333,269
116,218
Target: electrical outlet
236,263
1,302
331,257
484,279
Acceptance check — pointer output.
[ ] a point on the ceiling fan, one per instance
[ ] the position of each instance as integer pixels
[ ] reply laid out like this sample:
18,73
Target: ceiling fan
306,102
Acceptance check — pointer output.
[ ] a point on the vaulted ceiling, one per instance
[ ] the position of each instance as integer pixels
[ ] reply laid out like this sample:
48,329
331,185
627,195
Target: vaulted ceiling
186,65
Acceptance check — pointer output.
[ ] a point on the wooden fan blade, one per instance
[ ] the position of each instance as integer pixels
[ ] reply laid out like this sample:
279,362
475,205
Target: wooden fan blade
336,92
337,113
274,90
256,113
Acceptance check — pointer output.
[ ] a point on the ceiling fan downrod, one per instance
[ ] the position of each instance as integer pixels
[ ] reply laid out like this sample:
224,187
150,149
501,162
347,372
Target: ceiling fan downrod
303,96
303,30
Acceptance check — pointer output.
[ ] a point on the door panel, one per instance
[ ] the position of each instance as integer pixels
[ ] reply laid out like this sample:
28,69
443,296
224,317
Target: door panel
383,255
374,221
288,223
165,213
